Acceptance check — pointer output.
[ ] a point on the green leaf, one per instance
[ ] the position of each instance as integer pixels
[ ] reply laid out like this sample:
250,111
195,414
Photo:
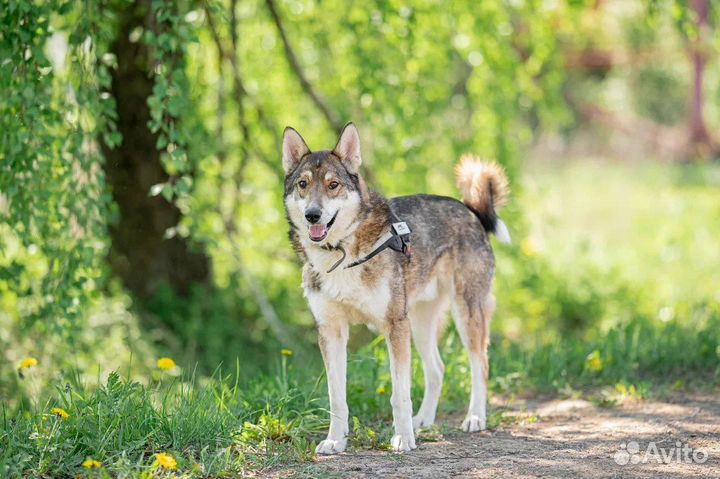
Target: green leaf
167,192
157,189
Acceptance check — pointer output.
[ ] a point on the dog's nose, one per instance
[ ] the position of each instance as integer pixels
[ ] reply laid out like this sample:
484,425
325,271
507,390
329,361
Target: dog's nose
313,215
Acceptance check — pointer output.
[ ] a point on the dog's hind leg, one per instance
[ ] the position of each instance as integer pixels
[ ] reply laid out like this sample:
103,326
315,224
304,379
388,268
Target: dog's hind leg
426,320
472,312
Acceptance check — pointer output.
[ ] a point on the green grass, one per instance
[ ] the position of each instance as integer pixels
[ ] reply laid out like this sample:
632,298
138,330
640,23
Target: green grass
654,225
226,425
590,304
211,426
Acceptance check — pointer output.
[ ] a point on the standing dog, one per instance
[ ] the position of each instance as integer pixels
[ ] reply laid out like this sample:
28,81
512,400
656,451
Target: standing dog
337,223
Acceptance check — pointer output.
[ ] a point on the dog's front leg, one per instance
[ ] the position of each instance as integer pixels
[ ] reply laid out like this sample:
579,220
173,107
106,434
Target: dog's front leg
398,341
333,337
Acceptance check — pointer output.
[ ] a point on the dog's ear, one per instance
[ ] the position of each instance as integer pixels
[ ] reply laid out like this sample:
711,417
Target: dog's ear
348,148
293,149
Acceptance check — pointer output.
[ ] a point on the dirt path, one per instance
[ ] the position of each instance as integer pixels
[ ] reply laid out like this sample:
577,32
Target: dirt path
570,438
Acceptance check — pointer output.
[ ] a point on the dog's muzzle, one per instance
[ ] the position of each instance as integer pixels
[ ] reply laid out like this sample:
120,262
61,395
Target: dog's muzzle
318,232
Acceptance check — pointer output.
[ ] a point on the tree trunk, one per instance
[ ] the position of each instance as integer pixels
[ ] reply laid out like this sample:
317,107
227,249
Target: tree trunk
139,254
700,139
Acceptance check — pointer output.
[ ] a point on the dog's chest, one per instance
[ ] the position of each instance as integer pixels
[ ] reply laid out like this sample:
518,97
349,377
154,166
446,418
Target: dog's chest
347,285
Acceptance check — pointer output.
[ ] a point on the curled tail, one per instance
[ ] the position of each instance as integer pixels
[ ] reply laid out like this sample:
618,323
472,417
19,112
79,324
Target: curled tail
484,188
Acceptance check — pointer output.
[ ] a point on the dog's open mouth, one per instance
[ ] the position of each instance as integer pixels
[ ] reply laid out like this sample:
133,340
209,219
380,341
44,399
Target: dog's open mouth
319,232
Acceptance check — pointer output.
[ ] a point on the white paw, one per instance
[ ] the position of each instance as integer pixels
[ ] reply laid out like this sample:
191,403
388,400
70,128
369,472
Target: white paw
403,442
473,424
328,446
422,421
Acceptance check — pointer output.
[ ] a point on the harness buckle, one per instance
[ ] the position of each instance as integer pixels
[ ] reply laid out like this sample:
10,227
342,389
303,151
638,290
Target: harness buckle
402,233
401,228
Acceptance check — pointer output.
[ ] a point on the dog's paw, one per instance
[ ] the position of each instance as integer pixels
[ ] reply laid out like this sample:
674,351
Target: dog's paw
473,424
329,446
403,442
419,421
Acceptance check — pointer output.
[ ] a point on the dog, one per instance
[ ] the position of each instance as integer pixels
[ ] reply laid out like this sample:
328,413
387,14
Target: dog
396,265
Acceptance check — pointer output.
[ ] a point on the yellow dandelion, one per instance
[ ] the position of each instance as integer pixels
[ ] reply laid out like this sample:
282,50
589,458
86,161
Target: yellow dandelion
380,390
286,352
165,364
165,461
60,412
91,464
528,248
28,363
594,362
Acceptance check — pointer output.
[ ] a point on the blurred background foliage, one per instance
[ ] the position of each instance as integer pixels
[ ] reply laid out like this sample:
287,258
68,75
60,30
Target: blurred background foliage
140,180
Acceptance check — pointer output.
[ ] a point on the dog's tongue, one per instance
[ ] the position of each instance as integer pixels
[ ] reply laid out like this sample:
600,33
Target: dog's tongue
317,231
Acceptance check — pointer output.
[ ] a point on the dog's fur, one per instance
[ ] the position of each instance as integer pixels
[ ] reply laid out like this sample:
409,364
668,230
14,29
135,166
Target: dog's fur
451,267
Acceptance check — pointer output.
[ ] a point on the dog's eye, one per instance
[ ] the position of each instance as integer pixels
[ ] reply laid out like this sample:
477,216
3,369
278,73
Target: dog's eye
333,185
302,184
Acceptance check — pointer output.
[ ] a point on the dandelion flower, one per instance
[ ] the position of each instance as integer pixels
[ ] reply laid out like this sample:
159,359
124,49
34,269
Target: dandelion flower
380,390
28,363
528,248
60,412
286,352
594,362
91,464
165,461
165,364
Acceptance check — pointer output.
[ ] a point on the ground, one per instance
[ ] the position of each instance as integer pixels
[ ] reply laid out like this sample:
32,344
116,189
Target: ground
554,438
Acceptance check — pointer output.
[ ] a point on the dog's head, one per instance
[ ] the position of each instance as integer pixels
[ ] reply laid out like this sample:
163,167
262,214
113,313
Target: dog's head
323,189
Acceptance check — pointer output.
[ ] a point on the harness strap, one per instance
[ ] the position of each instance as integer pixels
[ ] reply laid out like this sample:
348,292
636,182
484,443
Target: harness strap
397,239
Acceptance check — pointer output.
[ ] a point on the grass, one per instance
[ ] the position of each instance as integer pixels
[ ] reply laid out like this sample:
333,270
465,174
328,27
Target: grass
650,224
210,426
223,426
591,305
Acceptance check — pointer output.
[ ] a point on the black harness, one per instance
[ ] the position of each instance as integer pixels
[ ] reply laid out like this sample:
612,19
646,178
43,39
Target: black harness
398,240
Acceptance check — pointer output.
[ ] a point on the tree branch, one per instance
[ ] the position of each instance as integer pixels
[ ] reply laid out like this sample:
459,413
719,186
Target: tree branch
266,308
221,111
239,94
330,115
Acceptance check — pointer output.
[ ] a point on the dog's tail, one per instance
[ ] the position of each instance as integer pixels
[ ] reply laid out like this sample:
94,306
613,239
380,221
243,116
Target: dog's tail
484,187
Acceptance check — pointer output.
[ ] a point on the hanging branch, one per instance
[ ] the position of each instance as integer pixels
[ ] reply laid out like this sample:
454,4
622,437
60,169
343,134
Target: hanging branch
331,116
240,93
266,308
221,153
239,90
233,25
